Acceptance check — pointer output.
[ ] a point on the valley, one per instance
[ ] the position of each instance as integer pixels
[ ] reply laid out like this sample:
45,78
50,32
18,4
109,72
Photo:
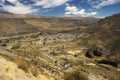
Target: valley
62,48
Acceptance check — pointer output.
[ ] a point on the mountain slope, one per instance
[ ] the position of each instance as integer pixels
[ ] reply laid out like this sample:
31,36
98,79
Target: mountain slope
11,24
107,32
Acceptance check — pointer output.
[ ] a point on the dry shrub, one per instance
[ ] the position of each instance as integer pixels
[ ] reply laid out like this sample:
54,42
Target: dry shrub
75,75
23,64
16,46
35,71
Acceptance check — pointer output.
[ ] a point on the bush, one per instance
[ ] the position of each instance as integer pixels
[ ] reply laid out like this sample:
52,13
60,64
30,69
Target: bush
35,71
3,44
97,53
75,75
16,46
84,42
6,41
108,62
88,54
22,64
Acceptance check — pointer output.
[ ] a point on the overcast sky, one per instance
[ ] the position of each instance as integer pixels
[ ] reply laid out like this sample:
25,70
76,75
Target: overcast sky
75,8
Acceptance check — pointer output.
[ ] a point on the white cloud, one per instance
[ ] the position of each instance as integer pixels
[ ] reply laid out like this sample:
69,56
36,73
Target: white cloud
73,10
22,8
12,1
101,3
106,3
2,2
50,3
19,8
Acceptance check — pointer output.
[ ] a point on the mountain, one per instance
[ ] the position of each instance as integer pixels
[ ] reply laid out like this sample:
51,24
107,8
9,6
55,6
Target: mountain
4,14
107,32
14,24
113,27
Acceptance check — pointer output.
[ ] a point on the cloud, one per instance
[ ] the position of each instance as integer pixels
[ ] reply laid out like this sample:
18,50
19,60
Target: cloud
18,8
106,3
29,6
50,3
2,1
12,1
74,11
102,3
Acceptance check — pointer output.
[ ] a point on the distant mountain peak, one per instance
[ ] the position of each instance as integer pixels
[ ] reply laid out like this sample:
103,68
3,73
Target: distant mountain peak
4,12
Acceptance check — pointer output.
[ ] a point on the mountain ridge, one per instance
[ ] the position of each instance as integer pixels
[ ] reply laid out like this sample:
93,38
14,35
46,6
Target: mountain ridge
25,24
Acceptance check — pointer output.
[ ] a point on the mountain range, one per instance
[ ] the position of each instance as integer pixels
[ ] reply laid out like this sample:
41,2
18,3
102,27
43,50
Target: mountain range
13,24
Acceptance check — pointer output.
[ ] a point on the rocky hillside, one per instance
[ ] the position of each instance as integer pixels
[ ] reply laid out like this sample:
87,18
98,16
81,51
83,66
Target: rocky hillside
107,32
114,36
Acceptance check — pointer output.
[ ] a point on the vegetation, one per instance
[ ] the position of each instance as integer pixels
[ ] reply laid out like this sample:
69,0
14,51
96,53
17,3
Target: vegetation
3,44
84,41
115,64
16,46
23,64
75,75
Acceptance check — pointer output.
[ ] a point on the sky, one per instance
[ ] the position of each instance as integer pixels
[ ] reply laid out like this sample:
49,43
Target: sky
62,8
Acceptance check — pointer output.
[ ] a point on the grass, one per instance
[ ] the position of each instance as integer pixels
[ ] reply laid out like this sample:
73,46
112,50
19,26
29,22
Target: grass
75,75
23,64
